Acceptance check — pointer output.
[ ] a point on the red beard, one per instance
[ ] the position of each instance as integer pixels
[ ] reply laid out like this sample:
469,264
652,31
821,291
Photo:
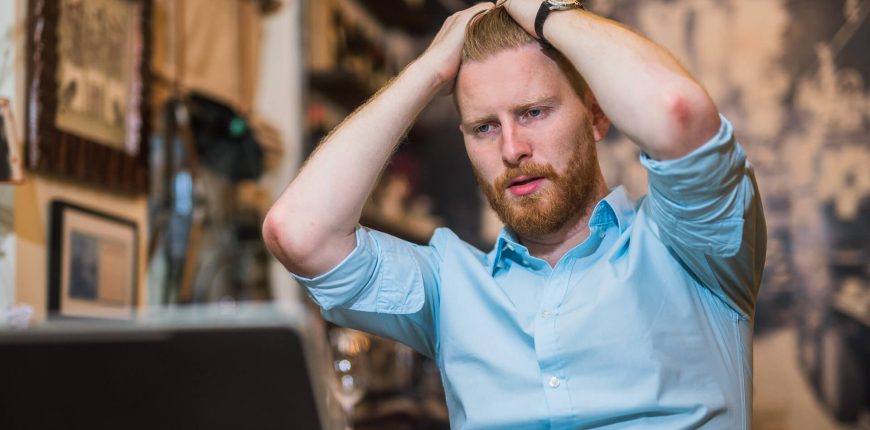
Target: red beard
553,206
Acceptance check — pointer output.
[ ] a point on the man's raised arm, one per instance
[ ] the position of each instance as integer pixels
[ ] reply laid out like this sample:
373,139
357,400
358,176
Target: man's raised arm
639,85
310,229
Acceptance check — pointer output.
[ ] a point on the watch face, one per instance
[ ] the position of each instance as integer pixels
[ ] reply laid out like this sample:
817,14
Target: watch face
564,4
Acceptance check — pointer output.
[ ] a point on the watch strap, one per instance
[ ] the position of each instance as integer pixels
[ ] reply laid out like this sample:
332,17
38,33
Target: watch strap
543,12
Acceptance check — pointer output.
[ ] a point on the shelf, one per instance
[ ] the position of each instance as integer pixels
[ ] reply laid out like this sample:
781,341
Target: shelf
399,230
343,88
854,306
416,21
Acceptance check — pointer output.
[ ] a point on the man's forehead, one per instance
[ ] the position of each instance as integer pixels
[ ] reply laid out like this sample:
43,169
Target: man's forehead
509,78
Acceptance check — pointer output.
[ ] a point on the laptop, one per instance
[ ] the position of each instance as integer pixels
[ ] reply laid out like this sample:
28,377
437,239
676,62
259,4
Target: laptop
217,367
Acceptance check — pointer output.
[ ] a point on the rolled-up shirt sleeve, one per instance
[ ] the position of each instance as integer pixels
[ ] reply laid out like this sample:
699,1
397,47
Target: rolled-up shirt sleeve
708,212
385,286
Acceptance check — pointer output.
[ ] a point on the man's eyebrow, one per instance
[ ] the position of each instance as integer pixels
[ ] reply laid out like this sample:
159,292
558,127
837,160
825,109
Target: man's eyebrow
552,100
480,120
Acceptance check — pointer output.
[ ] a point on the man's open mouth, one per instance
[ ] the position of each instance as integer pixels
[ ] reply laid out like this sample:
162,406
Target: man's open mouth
522,180
524,185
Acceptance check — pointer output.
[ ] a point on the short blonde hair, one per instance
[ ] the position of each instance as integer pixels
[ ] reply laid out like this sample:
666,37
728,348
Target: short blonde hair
492,32
495,31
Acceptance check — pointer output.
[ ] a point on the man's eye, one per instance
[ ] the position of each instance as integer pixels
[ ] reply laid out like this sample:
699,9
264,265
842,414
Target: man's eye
483,128
535,113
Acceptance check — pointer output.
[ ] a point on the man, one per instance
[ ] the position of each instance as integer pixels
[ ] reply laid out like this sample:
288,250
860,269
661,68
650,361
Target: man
591,311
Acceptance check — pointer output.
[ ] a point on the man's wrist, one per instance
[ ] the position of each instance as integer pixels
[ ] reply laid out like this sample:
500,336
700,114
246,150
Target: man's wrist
426,73
546,8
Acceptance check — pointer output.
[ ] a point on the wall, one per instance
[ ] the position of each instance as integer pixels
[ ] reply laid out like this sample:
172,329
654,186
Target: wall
31,229
278,101
11,87
792,76
31,200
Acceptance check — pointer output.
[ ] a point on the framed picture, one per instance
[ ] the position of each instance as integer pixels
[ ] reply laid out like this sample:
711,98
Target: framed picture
87,112
11,170
92,263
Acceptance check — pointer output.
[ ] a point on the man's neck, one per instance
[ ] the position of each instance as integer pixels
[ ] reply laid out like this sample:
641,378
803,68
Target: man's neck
551,247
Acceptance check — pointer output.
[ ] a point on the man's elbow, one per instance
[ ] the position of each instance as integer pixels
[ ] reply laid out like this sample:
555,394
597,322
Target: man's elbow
288,246
692,119
305,248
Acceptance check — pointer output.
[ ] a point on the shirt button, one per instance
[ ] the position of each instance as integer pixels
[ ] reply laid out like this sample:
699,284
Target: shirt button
602,234
554,382
546,314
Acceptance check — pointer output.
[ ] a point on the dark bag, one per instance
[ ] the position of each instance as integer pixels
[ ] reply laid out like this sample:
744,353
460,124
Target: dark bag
225,143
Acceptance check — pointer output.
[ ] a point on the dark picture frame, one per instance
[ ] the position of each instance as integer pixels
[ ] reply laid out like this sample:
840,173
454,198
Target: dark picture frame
93,263
87,109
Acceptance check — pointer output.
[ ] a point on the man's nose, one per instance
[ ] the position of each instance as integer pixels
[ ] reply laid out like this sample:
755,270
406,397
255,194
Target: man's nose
515,145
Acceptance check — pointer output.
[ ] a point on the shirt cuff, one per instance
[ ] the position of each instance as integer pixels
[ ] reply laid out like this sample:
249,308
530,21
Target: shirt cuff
379,275
708,171
331,288
702,197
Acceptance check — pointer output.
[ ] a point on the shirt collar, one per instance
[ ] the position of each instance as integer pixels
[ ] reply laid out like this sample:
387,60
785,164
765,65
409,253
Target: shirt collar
506,243
616,205
615,208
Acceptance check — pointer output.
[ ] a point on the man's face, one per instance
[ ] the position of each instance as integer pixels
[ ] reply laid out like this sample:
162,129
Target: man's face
530,139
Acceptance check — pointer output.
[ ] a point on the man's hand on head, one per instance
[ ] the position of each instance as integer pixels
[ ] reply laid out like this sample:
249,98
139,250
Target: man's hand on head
445,52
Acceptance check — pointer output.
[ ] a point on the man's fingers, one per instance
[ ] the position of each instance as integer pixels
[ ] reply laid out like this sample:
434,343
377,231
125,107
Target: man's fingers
482,6
478,9
477,14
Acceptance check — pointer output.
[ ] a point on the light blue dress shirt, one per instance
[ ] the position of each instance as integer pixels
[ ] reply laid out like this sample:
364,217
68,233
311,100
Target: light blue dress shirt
645,325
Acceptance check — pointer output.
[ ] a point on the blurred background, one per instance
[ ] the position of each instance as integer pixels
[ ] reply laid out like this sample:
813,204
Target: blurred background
164,129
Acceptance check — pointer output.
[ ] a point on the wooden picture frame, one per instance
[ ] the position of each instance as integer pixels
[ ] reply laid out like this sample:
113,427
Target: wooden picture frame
87,102
93,261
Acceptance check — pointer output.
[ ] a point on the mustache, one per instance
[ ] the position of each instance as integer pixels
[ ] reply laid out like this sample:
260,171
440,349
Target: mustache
529,169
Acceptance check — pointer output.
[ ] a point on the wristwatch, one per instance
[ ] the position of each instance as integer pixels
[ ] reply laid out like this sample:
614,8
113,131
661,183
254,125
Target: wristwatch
548,6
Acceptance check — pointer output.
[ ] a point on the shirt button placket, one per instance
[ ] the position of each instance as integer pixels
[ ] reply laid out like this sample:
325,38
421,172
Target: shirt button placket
548,348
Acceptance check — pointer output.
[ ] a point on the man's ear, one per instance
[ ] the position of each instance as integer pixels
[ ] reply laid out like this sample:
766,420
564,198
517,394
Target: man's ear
600,122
